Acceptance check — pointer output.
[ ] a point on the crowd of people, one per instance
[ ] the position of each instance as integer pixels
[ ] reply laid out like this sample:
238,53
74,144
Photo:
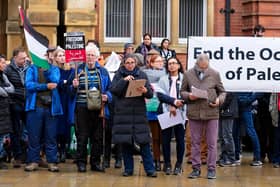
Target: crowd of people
40,105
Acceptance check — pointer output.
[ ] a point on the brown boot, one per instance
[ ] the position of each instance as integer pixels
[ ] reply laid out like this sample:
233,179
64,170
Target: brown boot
17,163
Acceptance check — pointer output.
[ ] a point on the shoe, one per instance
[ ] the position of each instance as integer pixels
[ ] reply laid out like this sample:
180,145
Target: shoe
276,165
31,167
256,163
167,169
238,162
3,165
82,167
178,169
227,163
97,167
106,164
52,167
118,163
153,174
194,174
127,174
43,164
62,156
17,163
211,174
157,165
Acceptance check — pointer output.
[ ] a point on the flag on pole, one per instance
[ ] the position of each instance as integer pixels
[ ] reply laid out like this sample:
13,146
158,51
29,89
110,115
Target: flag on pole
37,43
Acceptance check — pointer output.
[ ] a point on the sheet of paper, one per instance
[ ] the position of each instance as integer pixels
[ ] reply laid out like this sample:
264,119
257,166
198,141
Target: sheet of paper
132,87
166,120
199,93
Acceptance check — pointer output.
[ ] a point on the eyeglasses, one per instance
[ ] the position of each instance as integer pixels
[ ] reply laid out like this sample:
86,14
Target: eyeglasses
172,63
129,62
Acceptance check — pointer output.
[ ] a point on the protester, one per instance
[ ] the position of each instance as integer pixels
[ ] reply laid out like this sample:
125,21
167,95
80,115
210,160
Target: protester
228,113
274,109
130,122
263,122
259,31
91,76
165,52
146,46
15,72
169,97
154,71
43,108
128,48
68,101
203,112
93,42
6,88
245,100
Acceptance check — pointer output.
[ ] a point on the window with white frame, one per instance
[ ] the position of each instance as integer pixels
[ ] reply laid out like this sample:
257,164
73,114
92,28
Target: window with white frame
192,19
118,21
156,19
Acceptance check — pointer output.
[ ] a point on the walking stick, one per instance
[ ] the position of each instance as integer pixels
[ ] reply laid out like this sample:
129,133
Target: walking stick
102,115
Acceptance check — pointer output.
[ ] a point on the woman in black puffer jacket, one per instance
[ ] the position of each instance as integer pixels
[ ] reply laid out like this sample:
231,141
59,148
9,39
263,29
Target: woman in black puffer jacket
130,124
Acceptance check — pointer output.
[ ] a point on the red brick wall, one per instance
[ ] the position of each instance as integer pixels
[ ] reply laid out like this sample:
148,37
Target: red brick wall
235,18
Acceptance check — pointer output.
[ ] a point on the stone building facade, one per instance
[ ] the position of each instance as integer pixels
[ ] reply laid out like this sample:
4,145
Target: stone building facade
53,17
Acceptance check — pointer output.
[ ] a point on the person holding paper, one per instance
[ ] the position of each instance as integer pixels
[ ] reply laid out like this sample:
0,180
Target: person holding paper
169,95
130,124
203,113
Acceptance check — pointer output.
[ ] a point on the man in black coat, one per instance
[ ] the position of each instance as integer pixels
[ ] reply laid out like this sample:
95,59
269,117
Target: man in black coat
15,72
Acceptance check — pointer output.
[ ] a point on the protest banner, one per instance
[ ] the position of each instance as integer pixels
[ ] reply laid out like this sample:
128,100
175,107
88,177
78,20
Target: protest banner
74,47
245,63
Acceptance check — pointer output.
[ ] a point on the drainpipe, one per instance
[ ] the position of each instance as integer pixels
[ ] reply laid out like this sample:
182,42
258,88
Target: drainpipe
227,11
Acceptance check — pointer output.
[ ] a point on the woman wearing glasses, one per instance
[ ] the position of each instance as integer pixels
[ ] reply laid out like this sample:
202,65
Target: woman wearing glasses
169,96
130,121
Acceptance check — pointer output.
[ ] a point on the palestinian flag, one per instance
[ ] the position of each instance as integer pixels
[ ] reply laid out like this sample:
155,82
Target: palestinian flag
37,43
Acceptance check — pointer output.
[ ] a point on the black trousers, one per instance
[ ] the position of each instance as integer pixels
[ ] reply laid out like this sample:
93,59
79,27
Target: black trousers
88,127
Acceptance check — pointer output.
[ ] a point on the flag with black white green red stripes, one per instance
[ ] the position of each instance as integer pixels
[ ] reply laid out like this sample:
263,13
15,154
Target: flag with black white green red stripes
37,43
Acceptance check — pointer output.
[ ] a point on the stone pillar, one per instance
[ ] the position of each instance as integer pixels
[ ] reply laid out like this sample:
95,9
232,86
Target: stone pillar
13,30
44,17
81,16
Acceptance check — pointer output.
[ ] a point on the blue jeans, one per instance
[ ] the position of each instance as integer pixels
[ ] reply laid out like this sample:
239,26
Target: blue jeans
247,118
179,132
3,152
41,126
18,119
146,154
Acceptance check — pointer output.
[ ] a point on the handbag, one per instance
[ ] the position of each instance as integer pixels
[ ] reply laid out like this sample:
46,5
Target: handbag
152,104
93,96
45,100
